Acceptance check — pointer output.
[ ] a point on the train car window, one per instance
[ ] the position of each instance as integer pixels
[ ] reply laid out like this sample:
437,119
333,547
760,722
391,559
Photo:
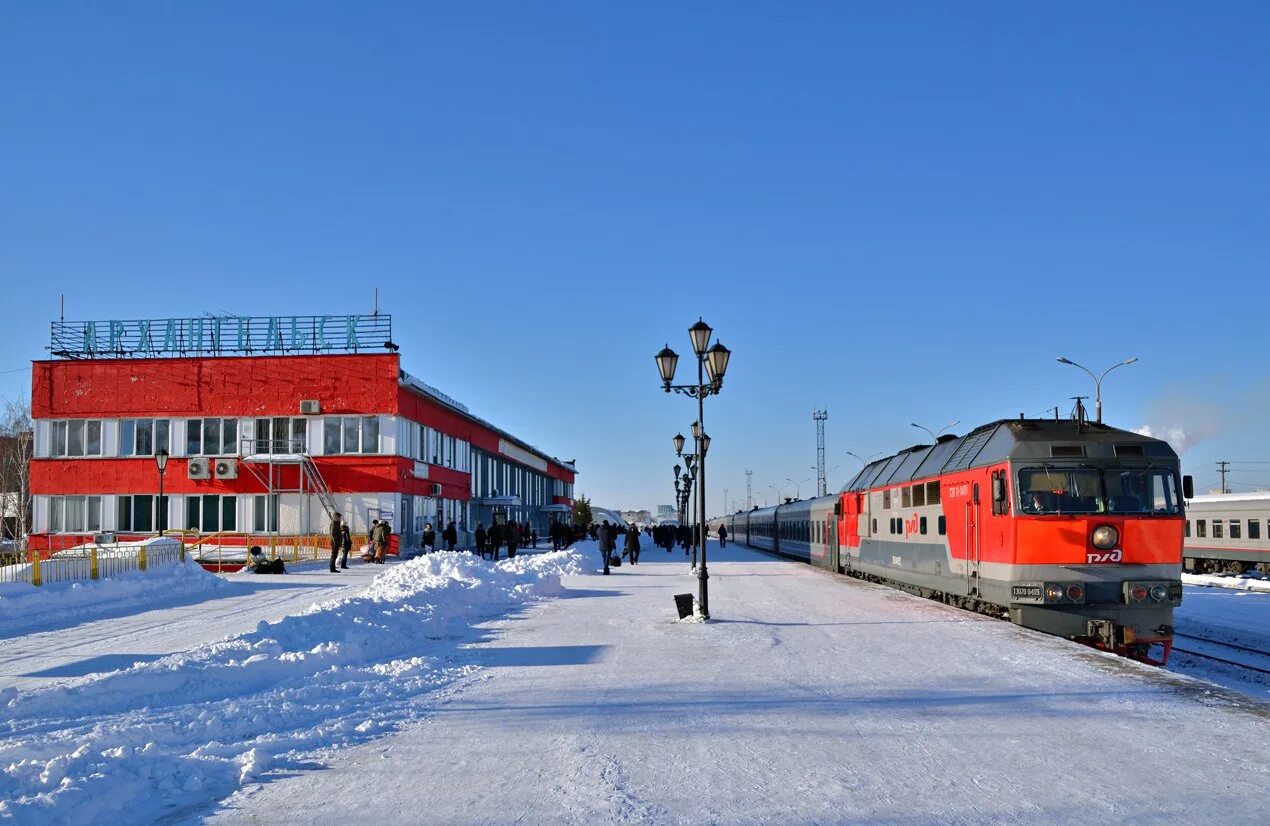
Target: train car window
1217,529
1254,529
943,526
875,526
906,497
919,495
921,525
1186,528
886,499
1201,526
1236,531
932,493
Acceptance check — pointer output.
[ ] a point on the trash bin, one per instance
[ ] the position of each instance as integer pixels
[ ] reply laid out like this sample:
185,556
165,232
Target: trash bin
683,603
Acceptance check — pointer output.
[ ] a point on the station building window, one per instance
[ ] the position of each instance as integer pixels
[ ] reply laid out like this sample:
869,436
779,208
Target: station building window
137,513
143,437
75,437
211,437
282,434
351,434
211,513
264,515
74,514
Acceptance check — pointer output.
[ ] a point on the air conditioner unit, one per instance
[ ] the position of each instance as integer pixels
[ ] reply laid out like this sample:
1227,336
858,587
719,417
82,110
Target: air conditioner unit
226,468
200,468
310,407
435,488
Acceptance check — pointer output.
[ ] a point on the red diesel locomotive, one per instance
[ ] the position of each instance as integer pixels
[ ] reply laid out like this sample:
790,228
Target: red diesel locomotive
1071,528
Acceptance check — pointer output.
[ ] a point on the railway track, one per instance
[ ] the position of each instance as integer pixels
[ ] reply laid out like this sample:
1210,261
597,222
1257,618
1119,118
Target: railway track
1260,659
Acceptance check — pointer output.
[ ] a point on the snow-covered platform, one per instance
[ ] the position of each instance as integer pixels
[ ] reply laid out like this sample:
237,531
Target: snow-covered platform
809,698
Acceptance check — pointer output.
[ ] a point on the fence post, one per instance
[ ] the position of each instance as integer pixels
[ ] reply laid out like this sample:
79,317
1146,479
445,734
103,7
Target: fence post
141,557
35,569
92,565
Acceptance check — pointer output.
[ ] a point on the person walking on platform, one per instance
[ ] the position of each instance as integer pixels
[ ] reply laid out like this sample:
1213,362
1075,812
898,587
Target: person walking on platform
513,538
631,550
495,540
337,539
346,546
607,541
429,542
723,536
480,539
533,536
451,536
381,541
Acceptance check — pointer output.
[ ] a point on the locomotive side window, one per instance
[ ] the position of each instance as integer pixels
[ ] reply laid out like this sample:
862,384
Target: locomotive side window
1186,528
1254,529
886,500
922,525
943,526
932,493
1235,532
875,526
1217,526
1201,527
906,497
919,495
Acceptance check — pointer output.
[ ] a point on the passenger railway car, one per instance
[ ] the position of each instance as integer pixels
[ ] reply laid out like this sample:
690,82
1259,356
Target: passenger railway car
1072,528
1228,532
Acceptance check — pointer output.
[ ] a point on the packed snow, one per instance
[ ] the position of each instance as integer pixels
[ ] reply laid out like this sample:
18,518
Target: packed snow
24,607
1243,582
454,690
185,730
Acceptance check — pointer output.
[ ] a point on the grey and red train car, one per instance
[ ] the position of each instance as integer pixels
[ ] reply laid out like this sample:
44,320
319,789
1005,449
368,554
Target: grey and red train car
1071,528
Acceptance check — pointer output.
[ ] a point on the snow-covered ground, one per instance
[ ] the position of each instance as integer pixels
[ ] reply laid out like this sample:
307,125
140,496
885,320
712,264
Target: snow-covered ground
1226,615
448,691
1244,582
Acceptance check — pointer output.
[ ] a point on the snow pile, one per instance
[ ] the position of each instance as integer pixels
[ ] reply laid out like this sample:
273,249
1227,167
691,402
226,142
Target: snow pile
24,607
1238,583
178,733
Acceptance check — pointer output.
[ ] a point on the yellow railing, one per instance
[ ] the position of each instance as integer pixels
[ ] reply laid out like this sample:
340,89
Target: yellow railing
230,548
90,563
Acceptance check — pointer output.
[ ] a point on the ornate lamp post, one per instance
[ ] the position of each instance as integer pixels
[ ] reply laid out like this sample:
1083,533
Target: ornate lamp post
160,521
1098,380
711,360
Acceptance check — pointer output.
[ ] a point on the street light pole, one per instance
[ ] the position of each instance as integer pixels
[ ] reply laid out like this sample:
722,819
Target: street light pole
161,461
713,360
1097,380
934,434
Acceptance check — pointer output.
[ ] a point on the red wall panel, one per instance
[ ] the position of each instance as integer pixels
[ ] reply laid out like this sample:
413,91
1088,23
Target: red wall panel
231,386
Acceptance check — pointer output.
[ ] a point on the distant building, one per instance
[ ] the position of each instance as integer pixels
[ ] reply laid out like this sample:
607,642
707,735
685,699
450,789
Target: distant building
638,517
664,511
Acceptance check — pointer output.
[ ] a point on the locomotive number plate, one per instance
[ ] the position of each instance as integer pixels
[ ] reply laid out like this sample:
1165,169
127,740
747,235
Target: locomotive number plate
1027,593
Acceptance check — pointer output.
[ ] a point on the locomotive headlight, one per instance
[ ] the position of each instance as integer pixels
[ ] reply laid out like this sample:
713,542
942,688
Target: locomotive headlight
1053,593
1159,593
1105,537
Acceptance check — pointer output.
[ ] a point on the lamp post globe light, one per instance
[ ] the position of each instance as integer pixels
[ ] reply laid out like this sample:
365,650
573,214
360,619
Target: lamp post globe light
160,517
712,362
1098,380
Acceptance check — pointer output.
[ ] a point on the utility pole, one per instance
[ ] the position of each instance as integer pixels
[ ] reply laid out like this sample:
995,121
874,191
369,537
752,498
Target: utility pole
749,490
1221,468
819,416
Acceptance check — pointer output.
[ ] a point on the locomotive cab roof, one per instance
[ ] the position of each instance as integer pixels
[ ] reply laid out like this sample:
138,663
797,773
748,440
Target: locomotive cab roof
1041,440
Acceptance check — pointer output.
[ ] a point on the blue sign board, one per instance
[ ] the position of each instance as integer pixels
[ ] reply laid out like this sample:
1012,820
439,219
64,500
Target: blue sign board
221,336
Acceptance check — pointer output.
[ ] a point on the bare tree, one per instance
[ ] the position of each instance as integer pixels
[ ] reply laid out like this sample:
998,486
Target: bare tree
17,443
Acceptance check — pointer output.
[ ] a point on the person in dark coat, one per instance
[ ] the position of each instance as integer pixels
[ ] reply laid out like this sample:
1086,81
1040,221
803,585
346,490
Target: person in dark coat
337,538
631,550
495,540
451,536
480,539
346,546
607,541
723,536
429,542
513,538
533,536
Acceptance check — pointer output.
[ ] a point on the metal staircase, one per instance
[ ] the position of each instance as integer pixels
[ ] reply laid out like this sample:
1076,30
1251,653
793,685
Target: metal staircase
317,485
264,458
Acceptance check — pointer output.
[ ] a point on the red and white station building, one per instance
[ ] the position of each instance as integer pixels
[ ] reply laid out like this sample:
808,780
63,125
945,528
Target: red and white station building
262,419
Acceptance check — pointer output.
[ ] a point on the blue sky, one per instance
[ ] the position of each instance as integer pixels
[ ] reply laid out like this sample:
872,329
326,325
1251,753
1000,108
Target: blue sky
900,212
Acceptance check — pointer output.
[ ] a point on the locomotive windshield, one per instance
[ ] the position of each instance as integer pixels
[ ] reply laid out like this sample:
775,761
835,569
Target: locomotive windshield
1053,490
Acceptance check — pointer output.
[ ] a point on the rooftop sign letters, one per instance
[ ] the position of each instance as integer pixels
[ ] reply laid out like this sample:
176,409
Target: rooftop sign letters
221,336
